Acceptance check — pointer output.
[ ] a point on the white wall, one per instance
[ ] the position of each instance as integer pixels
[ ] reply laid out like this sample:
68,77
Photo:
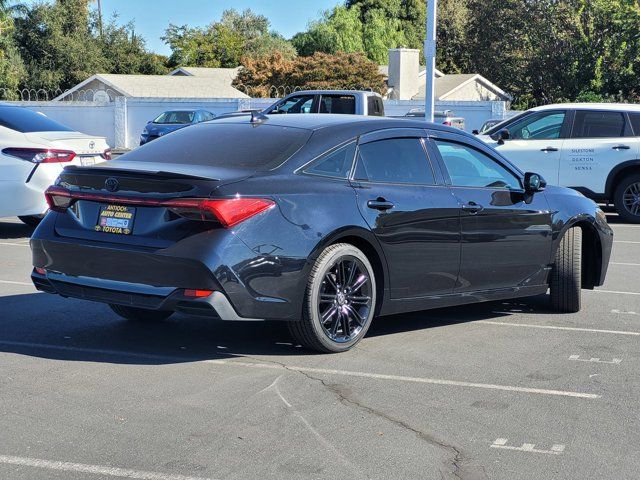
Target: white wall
92,118
122,121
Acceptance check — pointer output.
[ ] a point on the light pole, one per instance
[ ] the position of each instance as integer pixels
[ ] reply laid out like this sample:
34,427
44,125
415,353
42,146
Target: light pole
430,58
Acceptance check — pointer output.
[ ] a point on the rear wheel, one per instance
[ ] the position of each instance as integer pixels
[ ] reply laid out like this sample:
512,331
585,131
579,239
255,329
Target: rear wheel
31,220
140,314
339,302
566,275
627,198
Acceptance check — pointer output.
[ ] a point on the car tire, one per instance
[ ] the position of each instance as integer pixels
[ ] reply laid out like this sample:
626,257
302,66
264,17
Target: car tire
140,314
566,273
627,198
31,220
339,302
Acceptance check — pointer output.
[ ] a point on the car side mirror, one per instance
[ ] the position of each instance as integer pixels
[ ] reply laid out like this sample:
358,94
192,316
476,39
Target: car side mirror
475,132
533,182
503,135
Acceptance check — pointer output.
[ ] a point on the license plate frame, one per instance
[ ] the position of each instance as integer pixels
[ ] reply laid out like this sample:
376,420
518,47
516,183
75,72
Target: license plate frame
116,219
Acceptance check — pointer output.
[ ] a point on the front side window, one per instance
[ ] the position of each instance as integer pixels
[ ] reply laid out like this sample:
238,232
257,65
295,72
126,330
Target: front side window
396,160
469,167
300,104
589,124
336,163
345,104
543,126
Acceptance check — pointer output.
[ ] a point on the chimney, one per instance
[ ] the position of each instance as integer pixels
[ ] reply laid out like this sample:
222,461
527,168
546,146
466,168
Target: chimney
404,65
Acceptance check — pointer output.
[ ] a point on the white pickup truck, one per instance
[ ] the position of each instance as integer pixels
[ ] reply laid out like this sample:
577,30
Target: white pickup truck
351,102
592,148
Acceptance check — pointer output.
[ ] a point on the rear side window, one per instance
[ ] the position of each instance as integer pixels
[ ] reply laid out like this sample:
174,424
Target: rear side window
338,104
588,124
25,121
375,106
336,164
229,145
397,160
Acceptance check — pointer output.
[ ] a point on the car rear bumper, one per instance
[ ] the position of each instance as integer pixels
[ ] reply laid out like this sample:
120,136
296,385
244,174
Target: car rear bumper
216,305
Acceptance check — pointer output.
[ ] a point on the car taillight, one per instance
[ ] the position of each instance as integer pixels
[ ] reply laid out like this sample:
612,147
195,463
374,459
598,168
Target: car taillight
40,155
227,211
447,123
197,293
106,155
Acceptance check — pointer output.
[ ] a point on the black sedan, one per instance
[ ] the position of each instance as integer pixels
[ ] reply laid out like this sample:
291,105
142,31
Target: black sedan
321,221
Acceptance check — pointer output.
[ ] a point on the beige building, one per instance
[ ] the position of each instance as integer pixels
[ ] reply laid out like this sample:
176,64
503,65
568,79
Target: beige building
406,81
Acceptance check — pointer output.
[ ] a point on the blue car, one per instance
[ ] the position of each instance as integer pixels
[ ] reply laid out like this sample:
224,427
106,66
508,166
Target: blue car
171,121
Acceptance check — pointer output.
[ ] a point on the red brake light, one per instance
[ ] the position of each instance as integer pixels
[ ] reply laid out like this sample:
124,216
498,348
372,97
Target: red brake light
197,293
40,155
447,123
228,211
106,155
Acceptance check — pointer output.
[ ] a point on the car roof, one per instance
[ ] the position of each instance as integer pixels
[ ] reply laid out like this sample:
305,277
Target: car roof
317,121
334,92
589,106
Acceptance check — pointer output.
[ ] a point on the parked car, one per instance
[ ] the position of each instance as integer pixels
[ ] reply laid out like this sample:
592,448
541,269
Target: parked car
592,148
445,117
321,221
33,150
171,121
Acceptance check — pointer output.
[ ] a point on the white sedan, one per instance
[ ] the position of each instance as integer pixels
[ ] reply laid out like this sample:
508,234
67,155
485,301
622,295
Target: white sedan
33,151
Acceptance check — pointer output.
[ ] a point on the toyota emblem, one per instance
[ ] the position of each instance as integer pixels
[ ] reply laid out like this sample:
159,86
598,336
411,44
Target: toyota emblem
111,184
92,145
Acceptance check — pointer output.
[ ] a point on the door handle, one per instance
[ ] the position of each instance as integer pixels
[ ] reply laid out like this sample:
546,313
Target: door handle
549,149
621,147
472,208
380,204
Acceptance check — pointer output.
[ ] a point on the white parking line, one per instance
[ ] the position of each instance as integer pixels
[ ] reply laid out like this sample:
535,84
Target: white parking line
556,449
576,358
616,292
324,371
553,327
620,312
625,264
10,282
14,244
92,469
626,241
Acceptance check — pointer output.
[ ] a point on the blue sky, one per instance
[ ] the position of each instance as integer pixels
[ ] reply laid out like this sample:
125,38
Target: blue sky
153,16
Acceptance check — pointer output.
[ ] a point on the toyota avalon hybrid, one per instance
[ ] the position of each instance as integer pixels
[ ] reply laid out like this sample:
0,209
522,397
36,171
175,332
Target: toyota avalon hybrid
320,221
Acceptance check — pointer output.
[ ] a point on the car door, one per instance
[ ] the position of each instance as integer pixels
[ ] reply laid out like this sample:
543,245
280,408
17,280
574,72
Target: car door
506,234
410,210
535,143
599,141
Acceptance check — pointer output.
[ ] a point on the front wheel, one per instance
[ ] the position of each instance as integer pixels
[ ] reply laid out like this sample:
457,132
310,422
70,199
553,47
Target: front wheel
627,198
566,273
140,314
339,301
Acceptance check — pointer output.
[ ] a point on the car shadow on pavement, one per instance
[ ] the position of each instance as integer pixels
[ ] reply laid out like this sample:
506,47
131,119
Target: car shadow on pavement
45,326
11,230
453,315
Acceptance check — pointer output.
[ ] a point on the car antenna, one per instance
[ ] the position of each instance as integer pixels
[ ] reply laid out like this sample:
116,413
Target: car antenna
258,117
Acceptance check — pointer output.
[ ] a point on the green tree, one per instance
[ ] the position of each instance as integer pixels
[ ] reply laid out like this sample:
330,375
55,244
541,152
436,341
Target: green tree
224,43
12,69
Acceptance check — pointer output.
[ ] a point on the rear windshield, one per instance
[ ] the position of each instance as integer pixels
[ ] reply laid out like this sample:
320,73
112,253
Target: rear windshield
176,118
230,145
25,121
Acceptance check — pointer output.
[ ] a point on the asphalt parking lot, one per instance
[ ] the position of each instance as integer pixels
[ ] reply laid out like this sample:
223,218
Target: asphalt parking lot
505,390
